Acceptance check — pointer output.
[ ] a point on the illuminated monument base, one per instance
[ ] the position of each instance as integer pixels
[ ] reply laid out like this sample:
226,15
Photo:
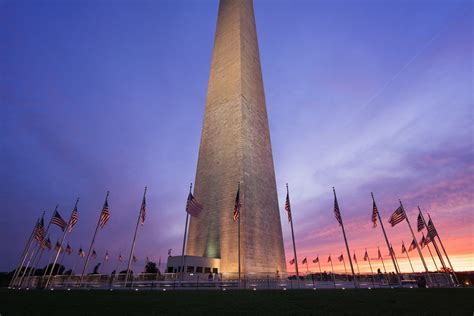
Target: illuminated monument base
193,265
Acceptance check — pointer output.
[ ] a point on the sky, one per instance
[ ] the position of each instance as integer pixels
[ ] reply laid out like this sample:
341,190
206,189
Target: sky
366,96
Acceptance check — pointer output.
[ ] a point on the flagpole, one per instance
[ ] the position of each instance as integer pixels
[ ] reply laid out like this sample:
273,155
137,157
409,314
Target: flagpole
370,266
347,245
24,254
238,228
37,259
332,269
417,247
293,238
184,239
307,268
60,246
444,250
395,257
345,270
435,245
27,265
406,251
133,243
105,260
357,263
320,272
33,254
386,240
86,263
384,269
33,261
431,254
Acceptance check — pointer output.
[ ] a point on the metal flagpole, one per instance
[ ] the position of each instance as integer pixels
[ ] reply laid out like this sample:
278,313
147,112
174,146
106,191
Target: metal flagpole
66,230
370,266
435,245
133,243
385,270
320,272
347,245
395,257
406,251
332,269
238,228
345,270
37,259
86,263
386,240
444,250
184,239
27,265
293,238
417,247
23,256
72,269
106,258
431,254
357,263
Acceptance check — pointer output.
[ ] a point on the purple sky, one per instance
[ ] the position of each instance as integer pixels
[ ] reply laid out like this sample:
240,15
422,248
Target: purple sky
361,95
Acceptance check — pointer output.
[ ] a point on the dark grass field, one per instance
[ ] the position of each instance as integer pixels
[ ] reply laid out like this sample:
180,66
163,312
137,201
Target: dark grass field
209,302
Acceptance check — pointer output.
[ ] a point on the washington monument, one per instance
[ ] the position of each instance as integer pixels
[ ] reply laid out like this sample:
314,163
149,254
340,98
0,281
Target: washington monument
235,147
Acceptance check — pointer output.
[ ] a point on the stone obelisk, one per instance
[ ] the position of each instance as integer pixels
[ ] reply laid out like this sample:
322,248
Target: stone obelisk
235,147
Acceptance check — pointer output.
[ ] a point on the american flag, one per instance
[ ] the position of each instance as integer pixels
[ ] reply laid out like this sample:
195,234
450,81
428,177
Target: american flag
398,216
432,233
392,252
193,207
403,248
428,239
423,242
355,258
304,260
337,211
106,256
380,254
143,209
58,220
412,245
68,249
329,258
237,206
420,222
340,258
287,206
94,254
74,218
292,261
39,230
105,214
81,253
366,256
316,260
47,243
375,213
134,259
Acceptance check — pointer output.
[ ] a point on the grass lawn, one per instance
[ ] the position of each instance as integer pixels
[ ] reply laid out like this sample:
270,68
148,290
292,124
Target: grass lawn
303,302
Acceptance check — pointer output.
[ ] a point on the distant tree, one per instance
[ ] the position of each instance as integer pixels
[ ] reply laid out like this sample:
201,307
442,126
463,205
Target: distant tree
151,267
68,272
